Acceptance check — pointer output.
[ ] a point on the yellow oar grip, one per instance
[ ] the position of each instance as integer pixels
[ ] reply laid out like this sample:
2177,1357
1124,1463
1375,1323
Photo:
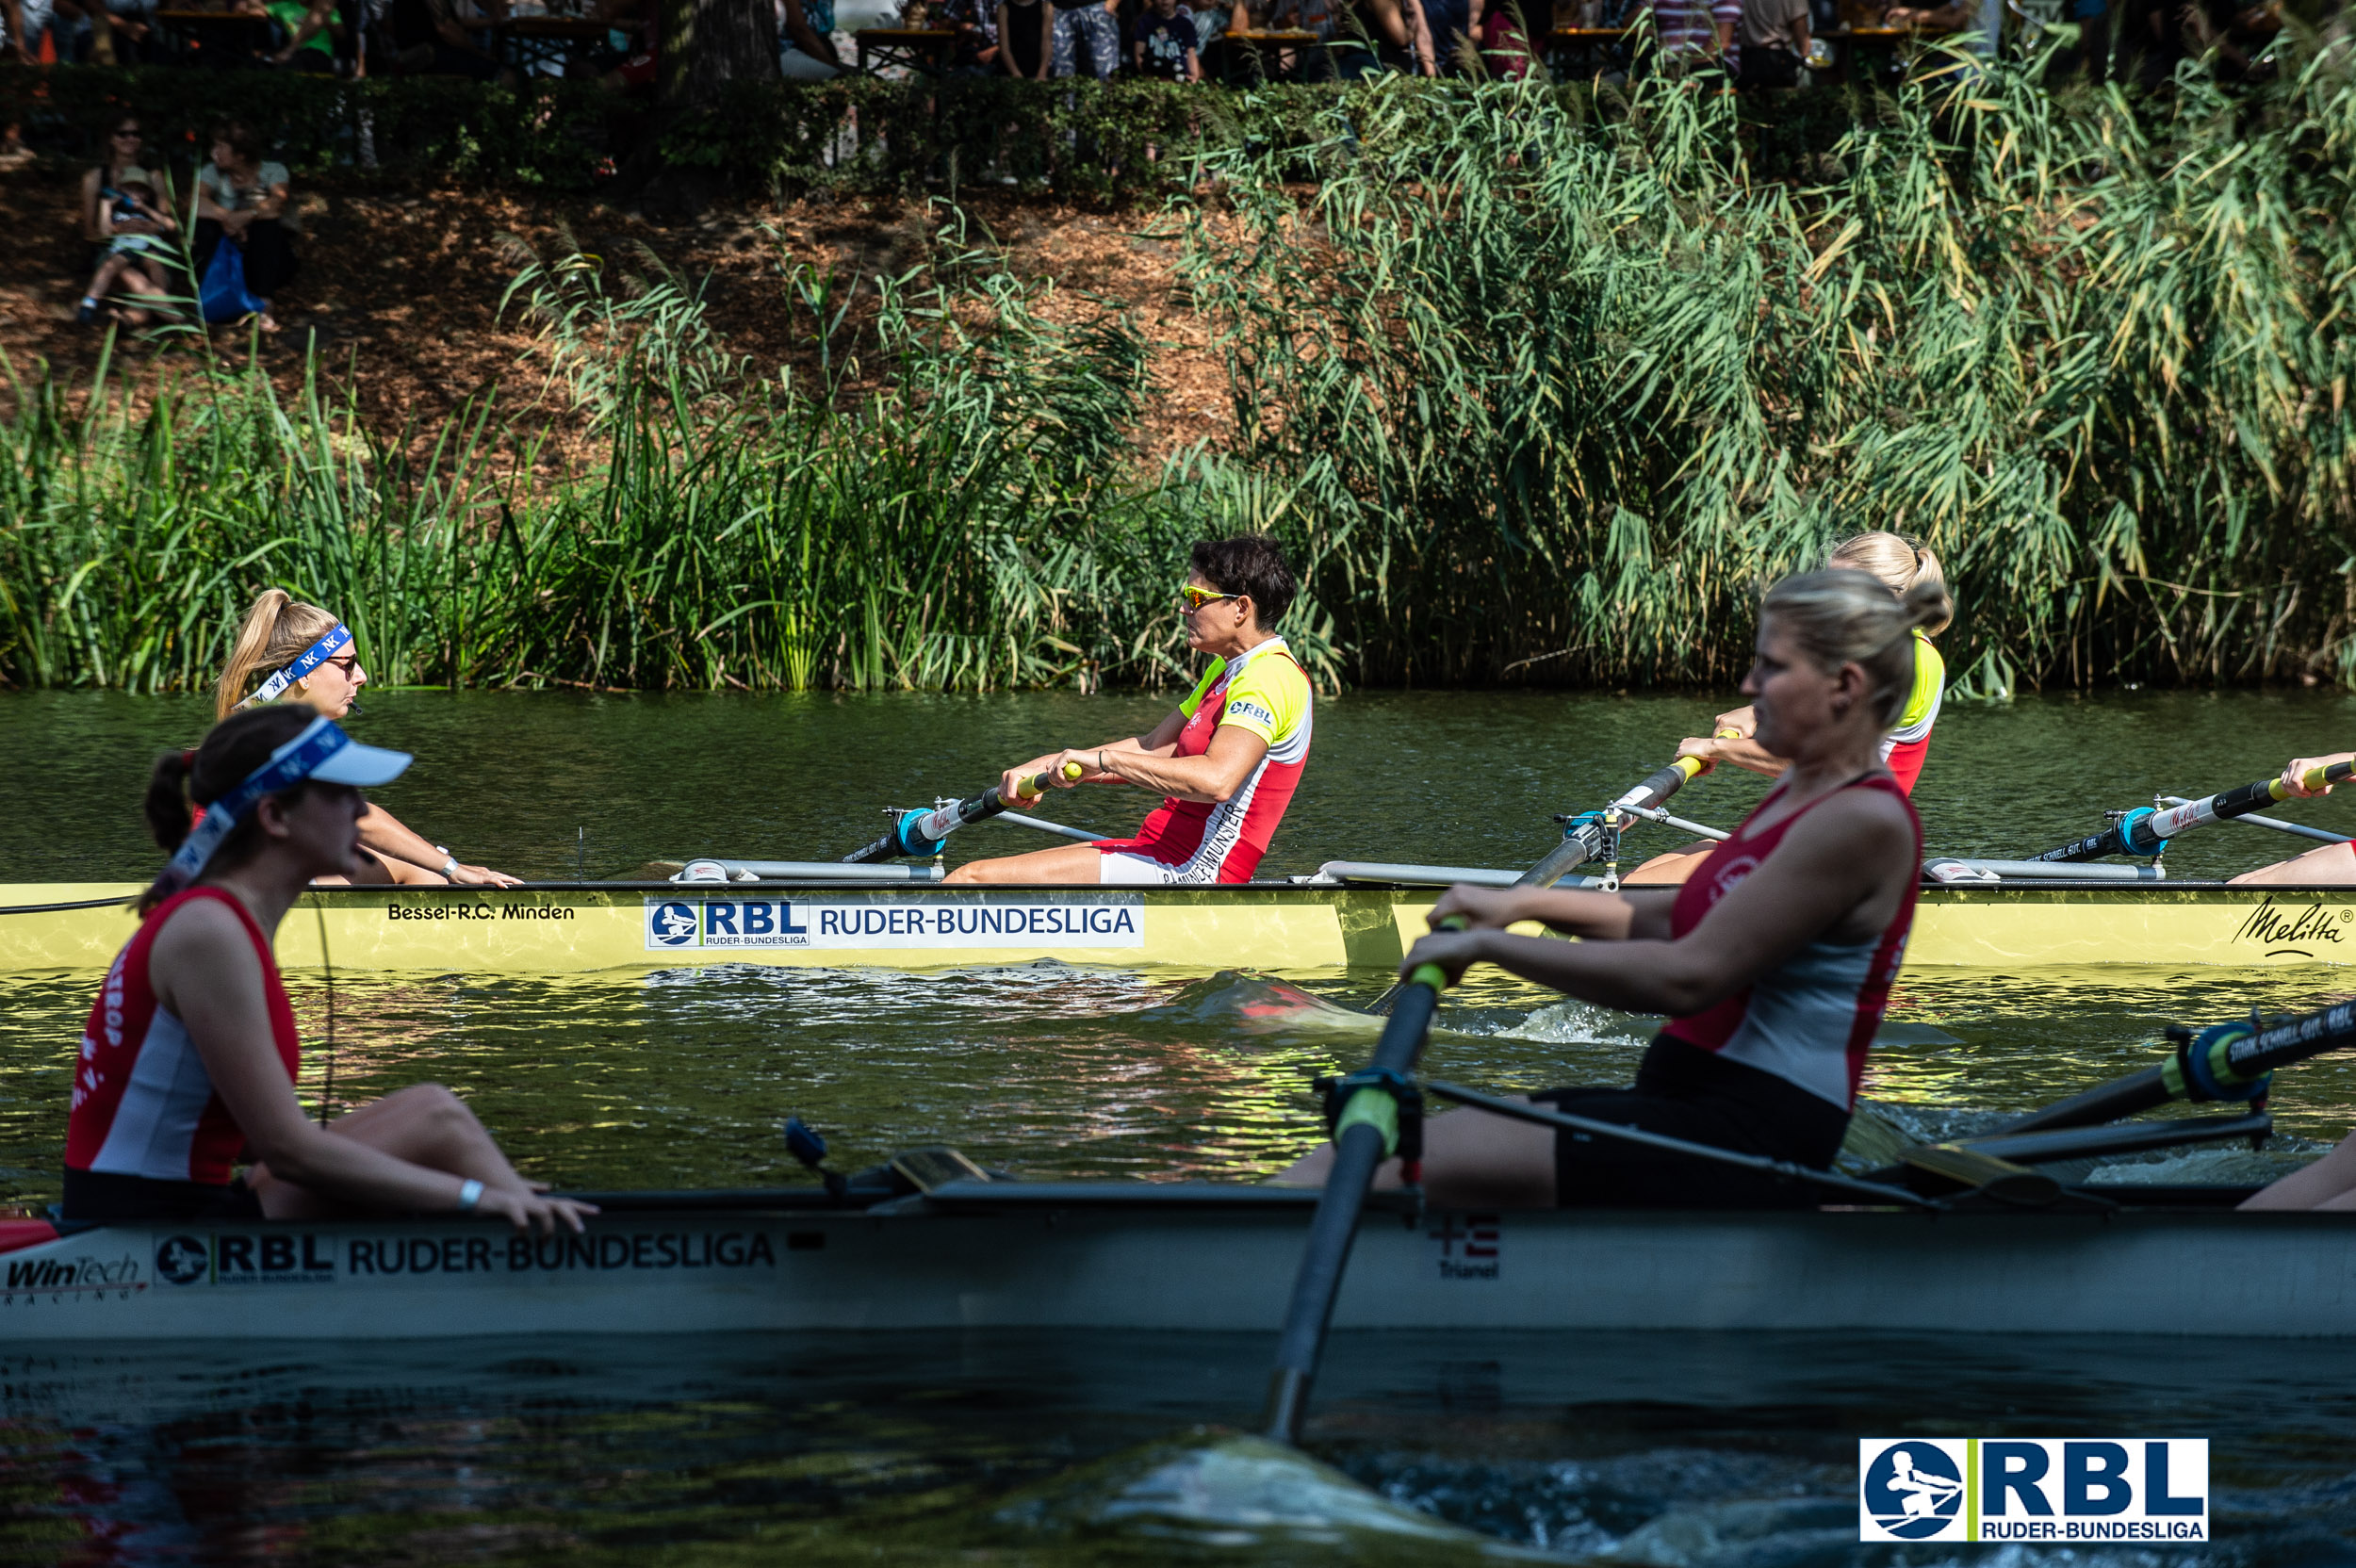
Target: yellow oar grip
1032,785
1432,974
1689,766
1730,733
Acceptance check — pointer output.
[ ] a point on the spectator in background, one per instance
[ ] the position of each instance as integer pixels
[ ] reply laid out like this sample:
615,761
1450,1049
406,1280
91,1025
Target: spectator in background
428,41
806,50
1088,37
1449,24
310,31
1505,52
1166,43
1026,38
241,201
976,25
1774,37
103,185
1693,35
135,221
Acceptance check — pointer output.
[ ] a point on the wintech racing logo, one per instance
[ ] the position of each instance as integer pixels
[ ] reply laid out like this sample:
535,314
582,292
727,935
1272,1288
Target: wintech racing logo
673,925
1914,1491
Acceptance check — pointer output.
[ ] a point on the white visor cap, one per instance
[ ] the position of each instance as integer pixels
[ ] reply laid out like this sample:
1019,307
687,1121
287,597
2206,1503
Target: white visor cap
362,767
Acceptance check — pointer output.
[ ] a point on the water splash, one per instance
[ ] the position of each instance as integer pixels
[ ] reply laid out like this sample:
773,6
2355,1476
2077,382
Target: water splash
1238,1001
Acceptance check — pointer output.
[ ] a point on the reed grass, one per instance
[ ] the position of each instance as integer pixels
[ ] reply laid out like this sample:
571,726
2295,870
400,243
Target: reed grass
1539,382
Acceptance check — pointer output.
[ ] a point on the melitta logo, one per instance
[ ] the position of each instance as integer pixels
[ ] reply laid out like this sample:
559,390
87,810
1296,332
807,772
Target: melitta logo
2033,1489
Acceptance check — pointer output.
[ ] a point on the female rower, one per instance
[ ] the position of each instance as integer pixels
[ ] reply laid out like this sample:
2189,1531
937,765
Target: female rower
1227,759
2325,864
286,648
190,1054
1899,564
1772,961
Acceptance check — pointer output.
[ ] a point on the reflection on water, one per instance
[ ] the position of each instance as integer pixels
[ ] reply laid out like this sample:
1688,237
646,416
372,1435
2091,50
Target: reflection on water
1075,1449
1734,1452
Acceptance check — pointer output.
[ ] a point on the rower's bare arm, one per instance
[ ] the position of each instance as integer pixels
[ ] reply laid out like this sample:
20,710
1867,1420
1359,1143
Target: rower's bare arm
204,972
2294,773
1573,911
1212,777
384,833
1840,871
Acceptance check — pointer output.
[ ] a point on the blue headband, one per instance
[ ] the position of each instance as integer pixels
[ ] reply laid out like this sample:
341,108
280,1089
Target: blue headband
319,653
289,765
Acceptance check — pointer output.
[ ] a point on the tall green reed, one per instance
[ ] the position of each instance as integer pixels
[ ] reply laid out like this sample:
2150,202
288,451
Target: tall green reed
1549,385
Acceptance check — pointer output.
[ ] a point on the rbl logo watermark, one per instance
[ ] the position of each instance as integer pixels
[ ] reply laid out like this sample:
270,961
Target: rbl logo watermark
2061,1489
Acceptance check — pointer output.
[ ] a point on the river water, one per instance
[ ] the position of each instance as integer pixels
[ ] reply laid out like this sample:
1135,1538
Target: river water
1717,1450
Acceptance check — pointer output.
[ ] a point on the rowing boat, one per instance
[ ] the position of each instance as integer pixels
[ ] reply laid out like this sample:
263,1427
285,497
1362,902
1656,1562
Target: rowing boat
976,1254
564,927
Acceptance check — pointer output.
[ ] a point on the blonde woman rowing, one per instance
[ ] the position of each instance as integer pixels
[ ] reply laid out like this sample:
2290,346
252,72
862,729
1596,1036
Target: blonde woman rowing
291,651
187,1065
1773,962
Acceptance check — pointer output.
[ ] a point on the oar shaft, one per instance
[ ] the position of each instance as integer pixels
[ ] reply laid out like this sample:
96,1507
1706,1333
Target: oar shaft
921,833
1359,1148
2145,831
2233,1064
1584,843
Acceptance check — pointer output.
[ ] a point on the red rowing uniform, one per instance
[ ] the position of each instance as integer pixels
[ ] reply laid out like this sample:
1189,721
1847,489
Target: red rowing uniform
1811,1019
143,1104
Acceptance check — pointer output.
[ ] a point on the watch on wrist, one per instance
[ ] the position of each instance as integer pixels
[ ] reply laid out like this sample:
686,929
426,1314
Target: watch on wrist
449,862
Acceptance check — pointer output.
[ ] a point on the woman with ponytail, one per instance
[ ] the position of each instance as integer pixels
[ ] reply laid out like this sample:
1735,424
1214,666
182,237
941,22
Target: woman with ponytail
1773,962
289,650
188,1062
1901,566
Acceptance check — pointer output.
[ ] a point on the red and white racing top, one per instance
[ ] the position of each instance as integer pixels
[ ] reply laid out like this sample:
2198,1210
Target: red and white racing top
1811,1020
1261,690
143,1104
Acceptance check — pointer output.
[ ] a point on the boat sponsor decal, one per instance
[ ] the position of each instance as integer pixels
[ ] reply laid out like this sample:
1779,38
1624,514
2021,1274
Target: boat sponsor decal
55,1280
277,1258
894,919
1470,1245
446,910
2066,1490
2295,930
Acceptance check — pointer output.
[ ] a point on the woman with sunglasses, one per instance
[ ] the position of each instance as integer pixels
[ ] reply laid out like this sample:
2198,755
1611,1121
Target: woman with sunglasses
1227,759
295,651
102,193
189,1063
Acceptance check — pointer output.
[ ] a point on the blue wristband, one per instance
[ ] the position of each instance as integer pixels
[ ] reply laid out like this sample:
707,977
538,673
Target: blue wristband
469,1194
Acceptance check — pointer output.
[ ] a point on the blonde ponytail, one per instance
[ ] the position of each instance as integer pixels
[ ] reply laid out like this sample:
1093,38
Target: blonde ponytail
1847,618
273,634
1899,564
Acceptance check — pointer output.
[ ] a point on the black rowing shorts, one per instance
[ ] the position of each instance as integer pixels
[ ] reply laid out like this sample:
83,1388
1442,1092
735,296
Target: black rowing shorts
1686,1092
110,1195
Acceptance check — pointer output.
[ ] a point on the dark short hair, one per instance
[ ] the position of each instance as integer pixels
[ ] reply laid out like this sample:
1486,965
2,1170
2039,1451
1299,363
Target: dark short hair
1250,564
240,137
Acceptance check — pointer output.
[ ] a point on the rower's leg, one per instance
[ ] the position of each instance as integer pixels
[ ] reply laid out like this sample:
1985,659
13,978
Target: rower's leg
1066,865
1671,868
2325,863
424,1124
2330,1183
1471,1160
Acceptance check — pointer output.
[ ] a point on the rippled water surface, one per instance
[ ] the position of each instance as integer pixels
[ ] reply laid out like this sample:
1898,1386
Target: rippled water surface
1692,1450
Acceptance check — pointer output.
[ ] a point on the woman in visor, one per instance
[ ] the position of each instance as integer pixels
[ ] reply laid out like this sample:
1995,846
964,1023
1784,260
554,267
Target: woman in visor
288,649
189,1059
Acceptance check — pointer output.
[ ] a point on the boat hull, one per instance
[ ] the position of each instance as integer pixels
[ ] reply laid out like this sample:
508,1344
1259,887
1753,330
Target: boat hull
574,927
1192,1258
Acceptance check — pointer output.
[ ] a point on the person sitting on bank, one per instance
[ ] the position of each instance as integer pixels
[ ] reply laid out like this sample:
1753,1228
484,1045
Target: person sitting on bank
190,1055
241,200
1773,962
1227,759
2326,865
298,652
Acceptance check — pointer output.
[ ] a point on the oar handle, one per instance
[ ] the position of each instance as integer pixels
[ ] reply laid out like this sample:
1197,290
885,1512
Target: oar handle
2144,831
1033,785
920,834
1584,843
1365,1133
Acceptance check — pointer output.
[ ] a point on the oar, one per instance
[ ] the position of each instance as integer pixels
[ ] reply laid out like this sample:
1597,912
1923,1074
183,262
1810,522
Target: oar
921,834
1367,1132
1584,840
2223,1062
2145,831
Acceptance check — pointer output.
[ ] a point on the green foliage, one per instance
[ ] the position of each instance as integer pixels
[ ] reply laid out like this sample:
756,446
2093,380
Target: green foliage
1550,389
953,530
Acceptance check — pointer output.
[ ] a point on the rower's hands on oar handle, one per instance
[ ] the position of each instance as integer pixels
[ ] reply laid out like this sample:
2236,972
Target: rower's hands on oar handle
2303,777
1062,769
1450,952
1484,908
481,877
